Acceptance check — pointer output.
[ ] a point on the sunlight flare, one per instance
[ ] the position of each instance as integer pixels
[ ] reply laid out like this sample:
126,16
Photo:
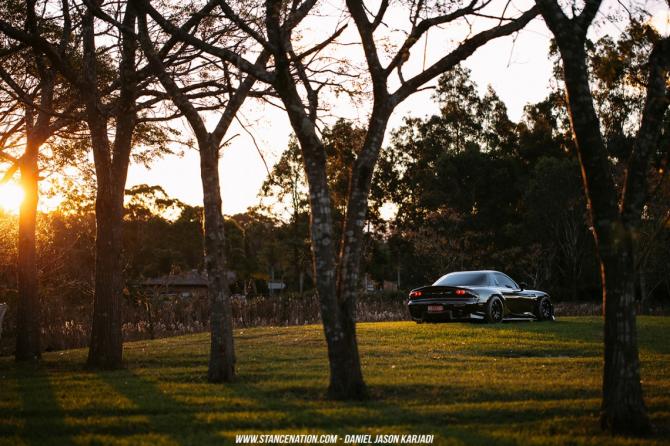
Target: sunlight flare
11,197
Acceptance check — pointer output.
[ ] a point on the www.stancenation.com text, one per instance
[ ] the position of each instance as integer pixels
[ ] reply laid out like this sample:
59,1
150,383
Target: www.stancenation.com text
334,439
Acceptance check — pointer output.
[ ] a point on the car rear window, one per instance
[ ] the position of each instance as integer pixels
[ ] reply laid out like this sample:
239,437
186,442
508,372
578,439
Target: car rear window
463,279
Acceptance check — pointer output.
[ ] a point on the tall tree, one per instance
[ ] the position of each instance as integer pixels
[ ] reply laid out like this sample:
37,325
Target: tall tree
87,63
614,218
347,381
337,267
33,83
111,166
222,351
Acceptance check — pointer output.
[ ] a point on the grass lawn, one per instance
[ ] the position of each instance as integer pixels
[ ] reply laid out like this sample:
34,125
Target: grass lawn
514,383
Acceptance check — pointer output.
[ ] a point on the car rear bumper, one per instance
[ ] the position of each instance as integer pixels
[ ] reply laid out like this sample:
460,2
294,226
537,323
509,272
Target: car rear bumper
446,309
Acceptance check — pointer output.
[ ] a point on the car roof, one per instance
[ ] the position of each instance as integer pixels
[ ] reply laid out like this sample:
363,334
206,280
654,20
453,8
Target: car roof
475,271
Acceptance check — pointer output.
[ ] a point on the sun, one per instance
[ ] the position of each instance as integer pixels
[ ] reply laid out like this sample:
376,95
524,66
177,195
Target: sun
11,196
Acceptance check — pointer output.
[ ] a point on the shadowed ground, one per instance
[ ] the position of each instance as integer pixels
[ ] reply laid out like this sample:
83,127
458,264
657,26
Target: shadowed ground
514,383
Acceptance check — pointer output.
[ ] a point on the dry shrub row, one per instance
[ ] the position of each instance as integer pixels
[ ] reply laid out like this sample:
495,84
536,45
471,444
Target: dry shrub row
67,326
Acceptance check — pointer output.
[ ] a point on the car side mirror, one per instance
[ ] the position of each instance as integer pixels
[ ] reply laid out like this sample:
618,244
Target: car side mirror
523,285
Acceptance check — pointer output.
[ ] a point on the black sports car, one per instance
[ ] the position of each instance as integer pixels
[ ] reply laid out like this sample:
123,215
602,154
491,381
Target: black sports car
485,295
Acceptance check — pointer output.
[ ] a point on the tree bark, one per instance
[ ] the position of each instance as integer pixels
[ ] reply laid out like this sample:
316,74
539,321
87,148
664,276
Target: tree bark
222,349
29,308
352,240
111,167
623,410
338,316
28,331
106,347
38,130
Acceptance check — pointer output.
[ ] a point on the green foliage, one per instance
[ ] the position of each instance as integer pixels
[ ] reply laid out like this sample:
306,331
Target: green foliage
620,76
619,70
468,184
474,190
343,141
287,187
162,234
257,245
286,183
517,383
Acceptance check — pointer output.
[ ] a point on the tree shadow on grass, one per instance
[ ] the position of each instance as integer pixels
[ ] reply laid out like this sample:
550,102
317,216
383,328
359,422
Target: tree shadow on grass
44,421
290,409
165,417
306,409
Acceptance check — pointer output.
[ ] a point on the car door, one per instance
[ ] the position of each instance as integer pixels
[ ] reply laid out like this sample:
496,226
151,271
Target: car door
511,293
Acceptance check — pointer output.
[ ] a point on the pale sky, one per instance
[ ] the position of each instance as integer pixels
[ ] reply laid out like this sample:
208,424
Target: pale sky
517,67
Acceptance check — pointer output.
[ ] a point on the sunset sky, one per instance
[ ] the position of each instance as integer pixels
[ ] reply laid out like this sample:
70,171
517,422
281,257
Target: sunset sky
518,68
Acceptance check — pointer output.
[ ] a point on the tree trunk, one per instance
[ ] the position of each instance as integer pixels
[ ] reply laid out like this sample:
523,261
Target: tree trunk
111,170
106,347
346,379
29,308
346,376
352,247
28,329
623,410
338,315
222,349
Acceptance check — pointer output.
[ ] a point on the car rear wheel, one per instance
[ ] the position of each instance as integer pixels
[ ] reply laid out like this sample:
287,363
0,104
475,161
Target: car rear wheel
544,311
494,310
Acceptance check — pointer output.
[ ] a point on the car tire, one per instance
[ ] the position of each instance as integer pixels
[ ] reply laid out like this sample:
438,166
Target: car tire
544,310
494,310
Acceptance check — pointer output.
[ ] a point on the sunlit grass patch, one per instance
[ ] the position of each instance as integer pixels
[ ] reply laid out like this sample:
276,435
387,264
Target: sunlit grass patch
513,383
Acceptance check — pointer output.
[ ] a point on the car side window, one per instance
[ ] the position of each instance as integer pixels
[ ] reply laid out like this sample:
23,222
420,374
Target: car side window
505,282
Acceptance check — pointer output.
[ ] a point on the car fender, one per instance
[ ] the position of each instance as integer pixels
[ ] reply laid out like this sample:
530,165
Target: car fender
540,295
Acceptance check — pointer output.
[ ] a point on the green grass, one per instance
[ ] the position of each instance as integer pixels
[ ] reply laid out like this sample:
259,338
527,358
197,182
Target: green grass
515,383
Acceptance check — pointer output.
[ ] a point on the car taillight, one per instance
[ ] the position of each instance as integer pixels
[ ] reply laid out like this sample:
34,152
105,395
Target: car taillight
415,294
459,292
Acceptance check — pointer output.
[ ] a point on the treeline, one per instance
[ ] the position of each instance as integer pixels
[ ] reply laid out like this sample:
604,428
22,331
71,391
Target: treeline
468,189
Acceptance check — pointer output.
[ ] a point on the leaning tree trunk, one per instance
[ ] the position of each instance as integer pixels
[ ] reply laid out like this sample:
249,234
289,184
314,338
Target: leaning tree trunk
623,410
106,348
338,315
346,380
29,308
351,251
222,349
